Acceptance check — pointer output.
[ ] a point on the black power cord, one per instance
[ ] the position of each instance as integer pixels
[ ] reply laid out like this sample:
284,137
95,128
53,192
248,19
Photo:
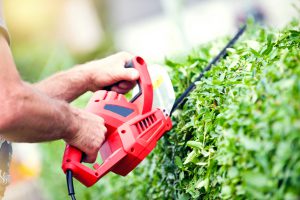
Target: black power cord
69,176
180,100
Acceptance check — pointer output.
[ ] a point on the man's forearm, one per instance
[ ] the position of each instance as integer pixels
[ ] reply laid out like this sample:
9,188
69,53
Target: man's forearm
27,114
67,85
30,116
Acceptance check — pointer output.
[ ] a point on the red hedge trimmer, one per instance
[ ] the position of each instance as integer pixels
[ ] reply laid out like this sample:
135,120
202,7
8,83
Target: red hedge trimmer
133,127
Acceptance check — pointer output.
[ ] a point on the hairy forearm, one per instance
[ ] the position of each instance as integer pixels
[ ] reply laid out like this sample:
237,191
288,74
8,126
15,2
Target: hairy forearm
66,85
28,115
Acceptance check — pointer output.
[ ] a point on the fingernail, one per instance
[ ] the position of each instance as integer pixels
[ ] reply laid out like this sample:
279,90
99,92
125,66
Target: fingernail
123,85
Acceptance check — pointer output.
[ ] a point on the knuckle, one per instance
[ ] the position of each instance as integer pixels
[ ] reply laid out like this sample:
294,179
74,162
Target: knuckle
91,159
97,144
89,151
101,120
124,54
104,129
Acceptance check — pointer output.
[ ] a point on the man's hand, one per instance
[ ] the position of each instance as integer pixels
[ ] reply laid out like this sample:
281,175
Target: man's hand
109,71
91,76
88,130
87,135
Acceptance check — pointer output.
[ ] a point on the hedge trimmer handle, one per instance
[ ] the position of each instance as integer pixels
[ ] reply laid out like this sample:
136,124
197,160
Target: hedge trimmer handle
144,98
117,112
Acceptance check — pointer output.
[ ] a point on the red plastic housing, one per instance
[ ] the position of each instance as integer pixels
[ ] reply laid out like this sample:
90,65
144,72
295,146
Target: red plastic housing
133,128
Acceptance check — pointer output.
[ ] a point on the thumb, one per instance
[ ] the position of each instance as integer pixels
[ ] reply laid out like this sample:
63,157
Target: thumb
128,74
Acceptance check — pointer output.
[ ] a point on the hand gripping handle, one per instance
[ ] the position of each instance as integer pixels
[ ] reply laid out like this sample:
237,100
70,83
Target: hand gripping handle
143,100
72,161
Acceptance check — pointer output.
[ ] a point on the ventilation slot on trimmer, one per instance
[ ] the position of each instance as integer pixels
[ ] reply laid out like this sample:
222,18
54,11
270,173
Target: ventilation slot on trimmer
145,123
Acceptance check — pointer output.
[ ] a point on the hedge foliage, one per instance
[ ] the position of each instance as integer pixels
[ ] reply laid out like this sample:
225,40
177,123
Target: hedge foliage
237,136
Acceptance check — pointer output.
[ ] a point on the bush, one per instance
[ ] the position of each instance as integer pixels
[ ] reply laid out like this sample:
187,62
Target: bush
237,136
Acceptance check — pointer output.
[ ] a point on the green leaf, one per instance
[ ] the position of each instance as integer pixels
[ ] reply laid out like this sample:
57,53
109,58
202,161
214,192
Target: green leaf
190,157
194,144
178,161
202,183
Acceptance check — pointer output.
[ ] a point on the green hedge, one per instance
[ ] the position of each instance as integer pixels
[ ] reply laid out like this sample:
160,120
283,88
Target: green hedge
237,136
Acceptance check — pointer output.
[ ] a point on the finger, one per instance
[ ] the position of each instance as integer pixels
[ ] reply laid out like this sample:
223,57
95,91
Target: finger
126,85
119,90
127,74
124,55
104,131
91,157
